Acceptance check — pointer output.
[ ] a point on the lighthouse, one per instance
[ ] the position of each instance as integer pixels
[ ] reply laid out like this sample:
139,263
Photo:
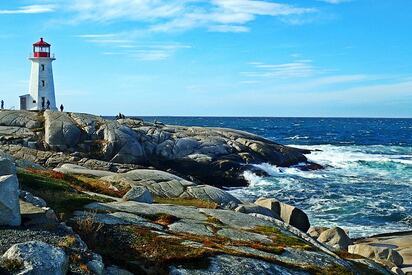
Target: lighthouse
41,87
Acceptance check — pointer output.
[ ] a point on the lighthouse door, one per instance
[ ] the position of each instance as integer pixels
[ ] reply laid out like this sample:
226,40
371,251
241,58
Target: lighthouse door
23,103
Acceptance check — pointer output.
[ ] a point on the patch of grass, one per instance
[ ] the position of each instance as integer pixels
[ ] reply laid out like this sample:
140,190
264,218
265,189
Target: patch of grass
97,186
162,218
281,239
187,202
54,188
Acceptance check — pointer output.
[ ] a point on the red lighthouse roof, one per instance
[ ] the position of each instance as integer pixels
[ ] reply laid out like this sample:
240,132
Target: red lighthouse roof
41,43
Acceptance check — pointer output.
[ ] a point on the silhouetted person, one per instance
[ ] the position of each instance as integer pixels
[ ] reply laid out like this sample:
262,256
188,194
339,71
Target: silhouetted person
61,108
2,104
48,104
42,103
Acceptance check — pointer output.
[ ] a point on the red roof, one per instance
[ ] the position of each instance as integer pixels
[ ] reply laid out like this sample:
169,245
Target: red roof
41,43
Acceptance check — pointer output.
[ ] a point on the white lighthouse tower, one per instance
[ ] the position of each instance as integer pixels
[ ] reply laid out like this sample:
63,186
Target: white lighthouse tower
41,88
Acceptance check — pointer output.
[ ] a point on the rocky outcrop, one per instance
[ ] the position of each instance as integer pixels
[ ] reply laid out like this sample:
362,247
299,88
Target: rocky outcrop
9,194
287,213
384,255
212,156
38,258
336,238
158,183
256,245
386,249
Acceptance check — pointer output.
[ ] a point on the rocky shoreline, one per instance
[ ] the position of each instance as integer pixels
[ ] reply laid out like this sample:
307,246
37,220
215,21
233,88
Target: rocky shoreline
95,196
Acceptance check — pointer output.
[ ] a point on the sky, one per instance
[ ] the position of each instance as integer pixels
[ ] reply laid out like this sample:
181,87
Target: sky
322,58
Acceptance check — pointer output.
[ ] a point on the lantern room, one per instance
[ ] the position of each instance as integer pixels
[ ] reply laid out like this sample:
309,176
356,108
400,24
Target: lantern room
41,49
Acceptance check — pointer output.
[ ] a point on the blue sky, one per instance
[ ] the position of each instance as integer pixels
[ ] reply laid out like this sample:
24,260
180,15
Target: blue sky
216,58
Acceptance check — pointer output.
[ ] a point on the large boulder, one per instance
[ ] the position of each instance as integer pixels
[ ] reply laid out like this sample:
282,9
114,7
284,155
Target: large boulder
38,258
335,238
61,132
212,194
287,213
138,194
315,231
382,254
256,209
9,201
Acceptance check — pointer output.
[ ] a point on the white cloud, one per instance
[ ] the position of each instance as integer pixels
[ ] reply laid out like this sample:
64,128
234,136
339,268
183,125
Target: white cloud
118,44
335,1
32,9
296,69
178,15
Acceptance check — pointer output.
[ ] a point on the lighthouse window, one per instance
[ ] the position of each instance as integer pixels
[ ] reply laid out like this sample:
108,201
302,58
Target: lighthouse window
42,67
43,83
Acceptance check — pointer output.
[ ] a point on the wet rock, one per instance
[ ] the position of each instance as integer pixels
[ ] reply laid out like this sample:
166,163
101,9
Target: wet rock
335,238
38,258
288,213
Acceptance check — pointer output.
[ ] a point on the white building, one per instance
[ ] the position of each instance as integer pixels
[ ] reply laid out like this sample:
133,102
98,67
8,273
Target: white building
41,88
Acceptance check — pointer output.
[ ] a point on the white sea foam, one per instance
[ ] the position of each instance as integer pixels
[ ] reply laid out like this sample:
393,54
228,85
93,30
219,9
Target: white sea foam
362,189
273,170
344,156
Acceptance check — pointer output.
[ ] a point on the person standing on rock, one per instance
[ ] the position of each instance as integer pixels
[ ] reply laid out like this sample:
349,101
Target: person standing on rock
48,105
2,104
61,108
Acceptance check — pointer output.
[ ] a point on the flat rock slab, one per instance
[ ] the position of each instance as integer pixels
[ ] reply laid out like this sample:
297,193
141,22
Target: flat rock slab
142,209
118,218
239,235
158,182
191,227
236,219
80,170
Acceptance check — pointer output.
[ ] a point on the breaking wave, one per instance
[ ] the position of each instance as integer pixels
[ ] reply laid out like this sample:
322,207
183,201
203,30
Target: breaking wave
365,189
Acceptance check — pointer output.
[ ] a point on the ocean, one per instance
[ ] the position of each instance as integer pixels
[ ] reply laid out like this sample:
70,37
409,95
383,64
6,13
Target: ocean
366,186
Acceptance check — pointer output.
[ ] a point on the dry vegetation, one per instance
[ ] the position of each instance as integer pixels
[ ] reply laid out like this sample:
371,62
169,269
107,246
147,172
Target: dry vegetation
187,202
60,193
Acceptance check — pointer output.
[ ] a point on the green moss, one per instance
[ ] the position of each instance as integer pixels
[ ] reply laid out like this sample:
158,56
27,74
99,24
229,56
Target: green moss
187,202
58,193
281,239
133,247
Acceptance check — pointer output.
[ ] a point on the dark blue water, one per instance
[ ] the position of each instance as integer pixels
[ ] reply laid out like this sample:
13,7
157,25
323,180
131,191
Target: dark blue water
367,185
311,131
